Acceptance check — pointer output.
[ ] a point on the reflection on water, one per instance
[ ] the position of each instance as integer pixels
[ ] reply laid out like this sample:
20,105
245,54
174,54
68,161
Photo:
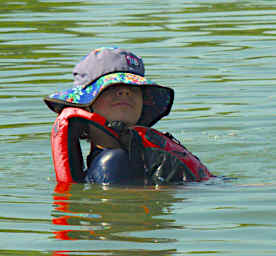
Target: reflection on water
167,221
218,56
114,214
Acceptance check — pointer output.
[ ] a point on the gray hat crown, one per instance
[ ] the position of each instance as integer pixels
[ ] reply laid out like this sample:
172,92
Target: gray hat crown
104,61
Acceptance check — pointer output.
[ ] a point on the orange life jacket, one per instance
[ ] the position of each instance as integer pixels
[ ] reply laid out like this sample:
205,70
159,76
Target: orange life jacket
164,156
183,163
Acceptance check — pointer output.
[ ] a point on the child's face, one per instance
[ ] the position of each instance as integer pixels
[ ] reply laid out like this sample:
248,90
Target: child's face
120,103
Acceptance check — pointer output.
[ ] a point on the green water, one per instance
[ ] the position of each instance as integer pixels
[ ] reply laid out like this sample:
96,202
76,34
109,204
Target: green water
220,58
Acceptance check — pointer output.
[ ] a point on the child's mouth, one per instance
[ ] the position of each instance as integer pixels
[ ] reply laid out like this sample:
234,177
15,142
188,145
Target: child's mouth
122,103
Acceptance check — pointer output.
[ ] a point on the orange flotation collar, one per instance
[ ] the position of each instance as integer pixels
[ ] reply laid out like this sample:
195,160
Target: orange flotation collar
69,169
67,155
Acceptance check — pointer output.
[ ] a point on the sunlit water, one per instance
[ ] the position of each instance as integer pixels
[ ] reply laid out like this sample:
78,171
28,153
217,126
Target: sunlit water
220,58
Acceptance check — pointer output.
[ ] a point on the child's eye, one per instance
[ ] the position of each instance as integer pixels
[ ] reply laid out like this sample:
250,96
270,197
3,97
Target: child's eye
109,90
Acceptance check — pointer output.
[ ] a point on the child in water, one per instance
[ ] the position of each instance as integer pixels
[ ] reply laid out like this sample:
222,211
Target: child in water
114,106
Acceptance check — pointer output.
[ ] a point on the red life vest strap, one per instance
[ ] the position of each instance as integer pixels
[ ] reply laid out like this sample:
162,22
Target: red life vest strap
67,155
66,151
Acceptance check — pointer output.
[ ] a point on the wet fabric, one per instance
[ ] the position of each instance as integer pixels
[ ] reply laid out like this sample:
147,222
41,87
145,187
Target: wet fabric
145,154
112,166
164,159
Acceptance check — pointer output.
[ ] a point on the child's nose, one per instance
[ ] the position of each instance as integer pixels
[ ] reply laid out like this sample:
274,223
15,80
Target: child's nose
123,90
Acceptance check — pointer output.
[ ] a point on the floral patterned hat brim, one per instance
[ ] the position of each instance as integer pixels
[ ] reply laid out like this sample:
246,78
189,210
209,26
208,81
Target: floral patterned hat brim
157,99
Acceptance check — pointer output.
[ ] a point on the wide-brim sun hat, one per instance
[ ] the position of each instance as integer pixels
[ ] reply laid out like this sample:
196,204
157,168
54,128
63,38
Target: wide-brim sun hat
105,67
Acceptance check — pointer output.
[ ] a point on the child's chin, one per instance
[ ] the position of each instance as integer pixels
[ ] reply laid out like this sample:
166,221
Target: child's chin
126,121
129,121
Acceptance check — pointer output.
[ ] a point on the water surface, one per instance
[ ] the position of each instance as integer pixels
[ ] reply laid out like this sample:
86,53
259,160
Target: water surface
219,56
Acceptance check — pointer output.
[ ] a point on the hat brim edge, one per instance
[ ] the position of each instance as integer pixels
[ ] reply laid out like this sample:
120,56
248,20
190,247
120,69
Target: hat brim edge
57,105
